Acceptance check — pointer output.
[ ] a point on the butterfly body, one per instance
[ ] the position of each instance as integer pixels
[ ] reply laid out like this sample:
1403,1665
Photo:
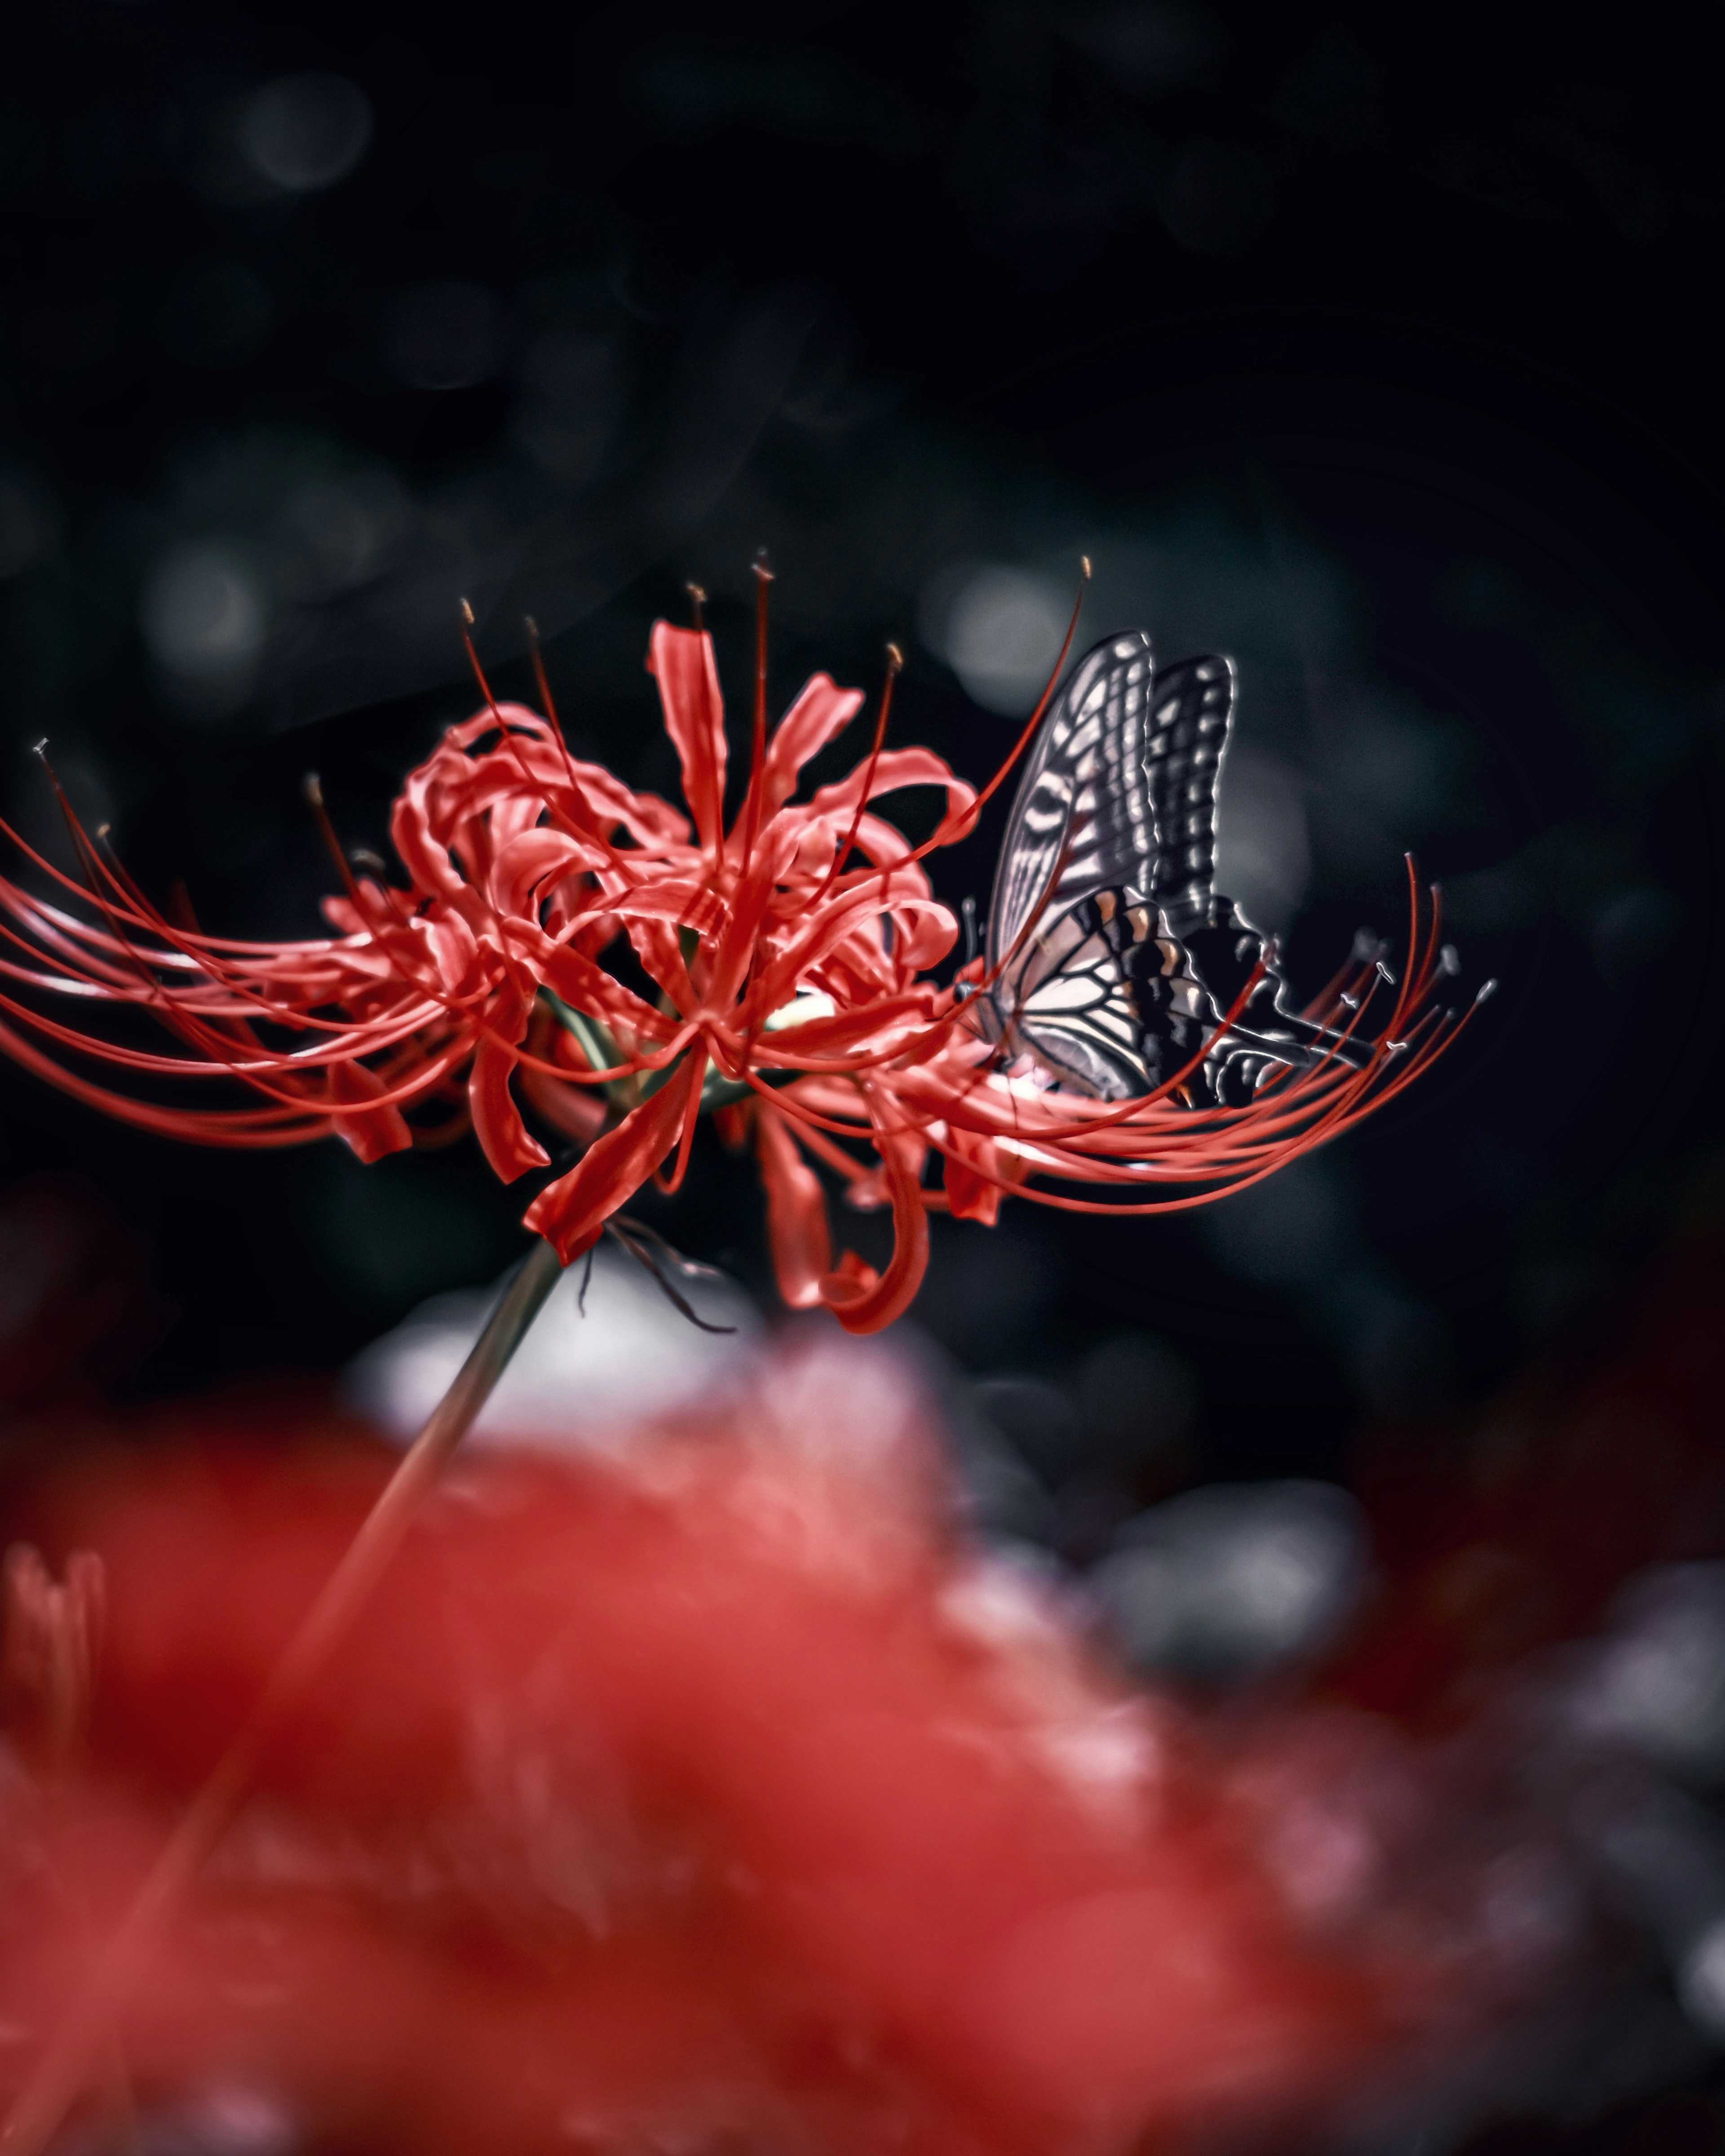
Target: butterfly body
1113,961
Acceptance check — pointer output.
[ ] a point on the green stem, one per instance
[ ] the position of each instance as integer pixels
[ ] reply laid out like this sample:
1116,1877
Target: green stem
74,2050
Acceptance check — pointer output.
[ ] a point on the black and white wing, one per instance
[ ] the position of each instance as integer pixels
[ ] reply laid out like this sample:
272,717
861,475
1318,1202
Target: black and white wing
1191,715
1190,724
1114,820
1083,806
1082,833
1113,955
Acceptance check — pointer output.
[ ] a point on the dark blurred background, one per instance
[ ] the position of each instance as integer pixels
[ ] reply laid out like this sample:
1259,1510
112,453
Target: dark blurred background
1371,346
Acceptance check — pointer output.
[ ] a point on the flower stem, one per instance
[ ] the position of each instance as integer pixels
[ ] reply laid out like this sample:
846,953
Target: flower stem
74,2050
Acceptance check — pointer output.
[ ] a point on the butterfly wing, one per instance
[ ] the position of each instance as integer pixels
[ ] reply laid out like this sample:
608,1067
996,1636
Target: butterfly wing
1191,722
1192,716
1082,820
1072,1005
1075,871
1114,957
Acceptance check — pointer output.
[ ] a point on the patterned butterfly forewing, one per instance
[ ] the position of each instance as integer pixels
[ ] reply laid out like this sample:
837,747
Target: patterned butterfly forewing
1079,980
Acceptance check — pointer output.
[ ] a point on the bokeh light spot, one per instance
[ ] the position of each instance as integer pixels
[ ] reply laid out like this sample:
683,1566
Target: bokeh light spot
204,619
303,132
1000,629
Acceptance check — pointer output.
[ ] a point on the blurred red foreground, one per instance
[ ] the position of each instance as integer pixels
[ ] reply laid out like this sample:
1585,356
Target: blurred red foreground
715,1794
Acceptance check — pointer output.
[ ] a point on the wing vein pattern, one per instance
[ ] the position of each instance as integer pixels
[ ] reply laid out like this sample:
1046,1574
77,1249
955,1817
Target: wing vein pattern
1113,955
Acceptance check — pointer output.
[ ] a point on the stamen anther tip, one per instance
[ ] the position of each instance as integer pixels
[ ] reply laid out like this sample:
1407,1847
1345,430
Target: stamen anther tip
467,613
1487,988
312,788
1084,568
894,659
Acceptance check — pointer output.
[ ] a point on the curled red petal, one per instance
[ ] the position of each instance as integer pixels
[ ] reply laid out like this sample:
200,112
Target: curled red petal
821,710
971,1196
534,859
661,956
570,1212
496,1121
586,986
682,661
896,767
797,1230
578,1111
860,1299
373,1135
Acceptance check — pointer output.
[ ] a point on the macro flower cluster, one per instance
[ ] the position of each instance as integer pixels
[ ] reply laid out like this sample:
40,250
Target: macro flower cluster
793,960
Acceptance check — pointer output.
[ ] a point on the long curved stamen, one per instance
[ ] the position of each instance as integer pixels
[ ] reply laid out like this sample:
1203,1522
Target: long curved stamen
199,1028
168,1007
952,828
895,667
541,680
965,822
511,739
312,786
136,910
758,746
485,688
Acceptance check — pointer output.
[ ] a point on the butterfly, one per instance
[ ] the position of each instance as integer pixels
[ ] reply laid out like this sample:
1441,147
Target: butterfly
1112,956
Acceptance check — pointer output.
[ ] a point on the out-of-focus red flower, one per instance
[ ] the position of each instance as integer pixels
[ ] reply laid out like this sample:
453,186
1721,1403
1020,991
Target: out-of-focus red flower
714,1792
794,996
50,1635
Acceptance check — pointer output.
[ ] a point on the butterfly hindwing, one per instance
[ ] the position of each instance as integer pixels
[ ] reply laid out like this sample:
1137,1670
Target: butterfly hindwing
1072,1007
1192,715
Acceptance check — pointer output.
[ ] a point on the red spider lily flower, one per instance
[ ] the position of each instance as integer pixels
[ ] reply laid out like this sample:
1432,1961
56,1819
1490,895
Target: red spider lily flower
805,985
523,865
793,993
